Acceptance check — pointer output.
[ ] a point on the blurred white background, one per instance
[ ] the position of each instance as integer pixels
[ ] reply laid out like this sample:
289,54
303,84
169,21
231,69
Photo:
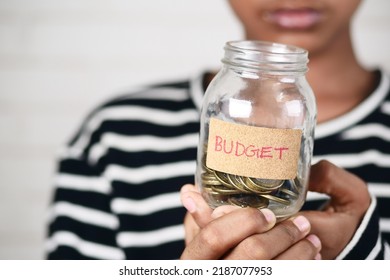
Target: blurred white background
59,59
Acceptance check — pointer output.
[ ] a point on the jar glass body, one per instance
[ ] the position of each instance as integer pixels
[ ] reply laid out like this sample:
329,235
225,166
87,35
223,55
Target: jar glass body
257,126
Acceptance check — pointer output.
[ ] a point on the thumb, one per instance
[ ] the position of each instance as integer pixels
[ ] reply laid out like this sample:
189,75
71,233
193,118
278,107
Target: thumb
193,201
346,190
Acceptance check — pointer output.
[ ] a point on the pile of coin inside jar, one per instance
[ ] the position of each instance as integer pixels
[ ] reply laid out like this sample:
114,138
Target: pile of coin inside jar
248,192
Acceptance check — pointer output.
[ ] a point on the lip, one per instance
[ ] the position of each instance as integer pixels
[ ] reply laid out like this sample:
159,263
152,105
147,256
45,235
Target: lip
303,18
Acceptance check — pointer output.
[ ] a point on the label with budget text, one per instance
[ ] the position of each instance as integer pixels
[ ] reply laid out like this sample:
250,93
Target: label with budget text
250,151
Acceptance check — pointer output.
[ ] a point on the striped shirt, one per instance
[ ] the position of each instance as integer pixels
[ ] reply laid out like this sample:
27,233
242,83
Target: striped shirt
117,187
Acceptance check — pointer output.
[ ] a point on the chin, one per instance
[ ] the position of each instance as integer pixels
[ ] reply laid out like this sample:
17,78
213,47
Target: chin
307,41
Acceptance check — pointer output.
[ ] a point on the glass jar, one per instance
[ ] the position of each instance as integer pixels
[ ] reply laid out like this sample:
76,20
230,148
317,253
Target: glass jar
257,126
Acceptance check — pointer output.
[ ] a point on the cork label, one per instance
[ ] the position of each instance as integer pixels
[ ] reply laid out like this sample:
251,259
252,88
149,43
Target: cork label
250,151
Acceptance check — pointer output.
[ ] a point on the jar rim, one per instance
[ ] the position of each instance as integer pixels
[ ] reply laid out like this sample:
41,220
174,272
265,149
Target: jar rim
265,55
266,47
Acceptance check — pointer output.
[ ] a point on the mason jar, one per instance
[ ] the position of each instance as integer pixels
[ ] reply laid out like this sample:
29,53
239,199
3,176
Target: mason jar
257,126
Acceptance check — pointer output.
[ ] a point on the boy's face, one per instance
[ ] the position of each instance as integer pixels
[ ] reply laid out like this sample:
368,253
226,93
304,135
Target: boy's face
311,24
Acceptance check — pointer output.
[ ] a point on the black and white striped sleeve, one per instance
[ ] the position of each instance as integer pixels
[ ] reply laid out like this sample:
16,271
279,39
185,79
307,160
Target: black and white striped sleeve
368,242
117,187
81,224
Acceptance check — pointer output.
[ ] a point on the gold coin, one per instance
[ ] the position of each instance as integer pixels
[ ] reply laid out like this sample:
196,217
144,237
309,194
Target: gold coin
208,179
255,188
289,192
224,190
209,170
249,201
207,175
237,182
222,177
266,183
276,199
211,182
208,189
296,184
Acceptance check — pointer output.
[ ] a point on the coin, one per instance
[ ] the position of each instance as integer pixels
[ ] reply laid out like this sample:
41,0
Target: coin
265,183
209,179
209,190
206,167
288,192
276,199
248,191
237,182
296,183
249,201
222,177
251,186
224,190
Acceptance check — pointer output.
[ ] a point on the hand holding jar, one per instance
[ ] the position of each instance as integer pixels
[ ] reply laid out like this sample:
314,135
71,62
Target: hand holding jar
232,232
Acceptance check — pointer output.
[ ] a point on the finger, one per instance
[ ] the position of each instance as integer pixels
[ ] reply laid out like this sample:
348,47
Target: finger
334,229
190,228
345,189
224,233
305,249
270,244
193,201
223,210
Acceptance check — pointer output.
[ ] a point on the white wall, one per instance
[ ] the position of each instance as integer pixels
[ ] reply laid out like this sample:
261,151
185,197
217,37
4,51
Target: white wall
58,59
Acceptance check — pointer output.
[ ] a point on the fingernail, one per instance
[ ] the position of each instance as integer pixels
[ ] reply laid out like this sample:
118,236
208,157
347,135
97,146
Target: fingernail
302,223
189,204
186,188
314,240
269,215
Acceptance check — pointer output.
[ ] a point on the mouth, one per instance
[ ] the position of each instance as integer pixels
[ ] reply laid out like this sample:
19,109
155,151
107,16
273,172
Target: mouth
299,19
